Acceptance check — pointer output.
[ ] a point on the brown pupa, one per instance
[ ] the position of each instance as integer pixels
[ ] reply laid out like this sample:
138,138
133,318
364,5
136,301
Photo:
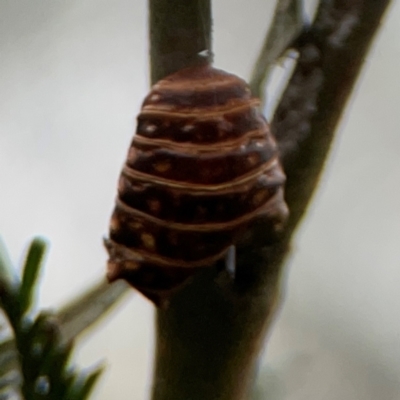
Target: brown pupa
201,167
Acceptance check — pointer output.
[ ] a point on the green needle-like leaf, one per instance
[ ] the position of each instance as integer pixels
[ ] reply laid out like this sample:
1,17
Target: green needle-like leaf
83,385
7,273
78,316
36,359
30,274
90,382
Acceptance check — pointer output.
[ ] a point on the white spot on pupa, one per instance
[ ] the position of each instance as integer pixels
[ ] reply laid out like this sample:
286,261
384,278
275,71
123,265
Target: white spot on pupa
150,128
204,53
188,128
154,97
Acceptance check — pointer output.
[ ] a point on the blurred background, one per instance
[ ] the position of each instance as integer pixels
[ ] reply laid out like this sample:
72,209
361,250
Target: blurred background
72,78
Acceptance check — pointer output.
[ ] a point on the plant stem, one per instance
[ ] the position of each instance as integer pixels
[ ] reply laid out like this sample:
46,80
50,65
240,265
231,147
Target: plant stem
286,25
180,35
209,338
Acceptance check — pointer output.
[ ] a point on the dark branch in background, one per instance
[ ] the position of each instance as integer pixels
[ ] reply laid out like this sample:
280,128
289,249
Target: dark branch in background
332,53
208,340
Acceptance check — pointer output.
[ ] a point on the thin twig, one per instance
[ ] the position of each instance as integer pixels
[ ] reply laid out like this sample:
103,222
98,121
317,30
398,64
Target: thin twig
79,315
331,55
285,27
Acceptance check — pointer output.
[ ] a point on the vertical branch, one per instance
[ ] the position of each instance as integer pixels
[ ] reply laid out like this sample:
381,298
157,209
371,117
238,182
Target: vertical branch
180,35
209,338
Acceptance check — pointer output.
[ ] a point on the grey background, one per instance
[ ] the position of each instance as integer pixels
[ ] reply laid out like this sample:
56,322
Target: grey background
72,77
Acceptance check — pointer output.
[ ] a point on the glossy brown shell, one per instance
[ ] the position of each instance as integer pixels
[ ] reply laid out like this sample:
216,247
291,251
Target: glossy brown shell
202,165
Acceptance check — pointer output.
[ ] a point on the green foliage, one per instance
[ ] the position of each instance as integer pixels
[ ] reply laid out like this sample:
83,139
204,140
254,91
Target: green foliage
37,362
30,273
7,273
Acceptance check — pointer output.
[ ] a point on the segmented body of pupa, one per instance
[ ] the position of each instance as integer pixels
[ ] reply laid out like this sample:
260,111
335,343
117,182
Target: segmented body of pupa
202,166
